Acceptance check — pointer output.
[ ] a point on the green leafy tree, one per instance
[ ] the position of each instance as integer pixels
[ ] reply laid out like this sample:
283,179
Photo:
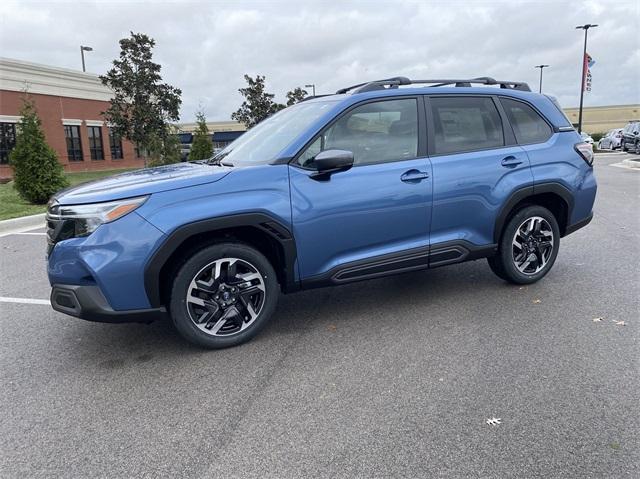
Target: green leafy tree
142,105
37,173
257,105
296,96
164,148
202,146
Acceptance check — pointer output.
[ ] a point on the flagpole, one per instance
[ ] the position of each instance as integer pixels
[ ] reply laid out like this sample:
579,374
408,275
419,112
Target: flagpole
584,70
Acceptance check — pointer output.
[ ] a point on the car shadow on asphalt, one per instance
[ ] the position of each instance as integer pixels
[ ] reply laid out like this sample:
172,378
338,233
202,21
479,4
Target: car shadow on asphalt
308,310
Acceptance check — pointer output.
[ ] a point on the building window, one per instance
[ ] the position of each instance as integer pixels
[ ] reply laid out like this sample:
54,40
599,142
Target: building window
7,141
74,146
115,143
95,142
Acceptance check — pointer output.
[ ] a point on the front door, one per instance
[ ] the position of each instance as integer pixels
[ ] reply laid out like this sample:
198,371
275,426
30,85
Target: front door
373,218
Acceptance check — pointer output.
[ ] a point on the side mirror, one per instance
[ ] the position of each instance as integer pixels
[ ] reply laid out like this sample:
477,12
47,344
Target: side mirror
332,161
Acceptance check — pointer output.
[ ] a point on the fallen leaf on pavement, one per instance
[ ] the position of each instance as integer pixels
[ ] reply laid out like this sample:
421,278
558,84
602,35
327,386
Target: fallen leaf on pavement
332,327
597,320
619,323
537,301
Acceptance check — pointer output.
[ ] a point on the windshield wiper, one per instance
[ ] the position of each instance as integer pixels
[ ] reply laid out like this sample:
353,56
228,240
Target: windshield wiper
217,159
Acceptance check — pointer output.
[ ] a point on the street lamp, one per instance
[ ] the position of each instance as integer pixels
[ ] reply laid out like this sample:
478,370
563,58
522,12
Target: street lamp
586,28
82,50
541,67
312,86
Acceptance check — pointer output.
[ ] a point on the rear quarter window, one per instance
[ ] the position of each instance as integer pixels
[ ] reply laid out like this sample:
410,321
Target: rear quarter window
528,126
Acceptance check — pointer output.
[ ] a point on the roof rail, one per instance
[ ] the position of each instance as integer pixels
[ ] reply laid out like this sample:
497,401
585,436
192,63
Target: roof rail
396,81
376,85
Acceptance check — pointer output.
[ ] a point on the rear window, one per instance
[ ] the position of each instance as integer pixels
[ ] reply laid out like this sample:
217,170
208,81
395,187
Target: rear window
465,124
528,125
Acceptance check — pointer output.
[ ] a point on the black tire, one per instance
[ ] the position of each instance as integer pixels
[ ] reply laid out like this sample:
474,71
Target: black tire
504,264
183,310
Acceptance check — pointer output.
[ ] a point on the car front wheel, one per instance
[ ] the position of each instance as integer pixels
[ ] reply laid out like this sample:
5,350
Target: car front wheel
528,246
223,295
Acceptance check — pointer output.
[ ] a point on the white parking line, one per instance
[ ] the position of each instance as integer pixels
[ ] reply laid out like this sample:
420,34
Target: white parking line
32,234
4,299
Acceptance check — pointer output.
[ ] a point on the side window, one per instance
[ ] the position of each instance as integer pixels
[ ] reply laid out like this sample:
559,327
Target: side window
528,125
465,124
375,132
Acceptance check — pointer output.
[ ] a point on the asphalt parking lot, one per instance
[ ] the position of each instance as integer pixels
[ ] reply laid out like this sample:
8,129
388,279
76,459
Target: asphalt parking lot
394,377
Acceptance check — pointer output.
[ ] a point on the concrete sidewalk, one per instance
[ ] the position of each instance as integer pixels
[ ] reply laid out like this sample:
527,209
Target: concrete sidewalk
19,225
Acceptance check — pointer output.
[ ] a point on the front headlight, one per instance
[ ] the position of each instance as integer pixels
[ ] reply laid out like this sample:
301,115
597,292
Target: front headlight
83,220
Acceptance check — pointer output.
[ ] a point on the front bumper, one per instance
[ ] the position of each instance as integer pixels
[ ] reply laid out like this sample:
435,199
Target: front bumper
88,302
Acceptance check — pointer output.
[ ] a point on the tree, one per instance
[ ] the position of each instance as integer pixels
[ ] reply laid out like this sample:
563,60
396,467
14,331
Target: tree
37,173
164,148
296,96
202,146
257,104
142,105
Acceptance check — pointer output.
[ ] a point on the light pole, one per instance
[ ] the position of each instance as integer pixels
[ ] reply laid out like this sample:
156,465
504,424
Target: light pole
586,28
82,50
312,86
541,67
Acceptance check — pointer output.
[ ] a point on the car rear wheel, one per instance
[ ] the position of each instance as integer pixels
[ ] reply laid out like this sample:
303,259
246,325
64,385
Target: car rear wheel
528,246
223,295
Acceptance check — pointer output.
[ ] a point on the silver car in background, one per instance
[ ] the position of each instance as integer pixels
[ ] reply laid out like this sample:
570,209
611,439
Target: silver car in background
612,140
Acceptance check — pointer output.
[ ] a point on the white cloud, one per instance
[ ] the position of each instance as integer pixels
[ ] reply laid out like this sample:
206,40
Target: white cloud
206,47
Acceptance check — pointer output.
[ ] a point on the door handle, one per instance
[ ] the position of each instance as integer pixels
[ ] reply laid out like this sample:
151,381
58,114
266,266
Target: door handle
414,176
510,161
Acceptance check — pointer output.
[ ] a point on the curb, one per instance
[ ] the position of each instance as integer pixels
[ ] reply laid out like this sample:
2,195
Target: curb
19,225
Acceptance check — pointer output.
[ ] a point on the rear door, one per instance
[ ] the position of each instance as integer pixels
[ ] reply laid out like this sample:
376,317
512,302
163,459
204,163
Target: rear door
476,166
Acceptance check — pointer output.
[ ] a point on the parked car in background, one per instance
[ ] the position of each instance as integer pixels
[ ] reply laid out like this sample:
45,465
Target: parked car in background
371,181
631,137
612,140
586,138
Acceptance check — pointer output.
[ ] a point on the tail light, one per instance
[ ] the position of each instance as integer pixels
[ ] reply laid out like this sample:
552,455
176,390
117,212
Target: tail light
585,150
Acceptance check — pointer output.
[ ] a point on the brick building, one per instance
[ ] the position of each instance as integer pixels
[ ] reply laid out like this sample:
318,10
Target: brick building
69,104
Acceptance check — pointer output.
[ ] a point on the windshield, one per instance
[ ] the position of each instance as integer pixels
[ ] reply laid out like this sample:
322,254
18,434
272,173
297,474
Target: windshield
264,141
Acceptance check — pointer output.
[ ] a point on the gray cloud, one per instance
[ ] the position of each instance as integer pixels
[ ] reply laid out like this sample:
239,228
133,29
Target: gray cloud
206,47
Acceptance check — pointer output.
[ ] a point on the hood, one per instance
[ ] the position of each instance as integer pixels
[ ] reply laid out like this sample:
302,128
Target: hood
142,182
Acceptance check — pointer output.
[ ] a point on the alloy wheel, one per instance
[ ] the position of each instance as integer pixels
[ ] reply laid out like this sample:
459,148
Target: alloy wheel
532,245
225,297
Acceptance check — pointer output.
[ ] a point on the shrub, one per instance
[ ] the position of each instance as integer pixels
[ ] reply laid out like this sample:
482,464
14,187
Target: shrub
597,137
165,149
37,173
202,146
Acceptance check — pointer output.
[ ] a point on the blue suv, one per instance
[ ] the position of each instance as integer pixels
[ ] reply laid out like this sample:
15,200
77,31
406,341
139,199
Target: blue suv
381,178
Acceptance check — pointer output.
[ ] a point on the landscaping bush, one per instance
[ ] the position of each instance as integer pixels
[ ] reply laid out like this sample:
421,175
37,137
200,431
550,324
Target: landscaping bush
37,174
597,137
202,146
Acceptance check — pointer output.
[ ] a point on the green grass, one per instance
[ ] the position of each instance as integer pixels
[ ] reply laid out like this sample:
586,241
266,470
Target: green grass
12,206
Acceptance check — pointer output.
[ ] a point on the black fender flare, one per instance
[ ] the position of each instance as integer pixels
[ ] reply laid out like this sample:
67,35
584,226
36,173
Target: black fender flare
522,194
264,222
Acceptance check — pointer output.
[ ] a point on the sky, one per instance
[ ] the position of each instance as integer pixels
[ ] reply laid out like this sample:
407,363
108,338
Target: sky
205,48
